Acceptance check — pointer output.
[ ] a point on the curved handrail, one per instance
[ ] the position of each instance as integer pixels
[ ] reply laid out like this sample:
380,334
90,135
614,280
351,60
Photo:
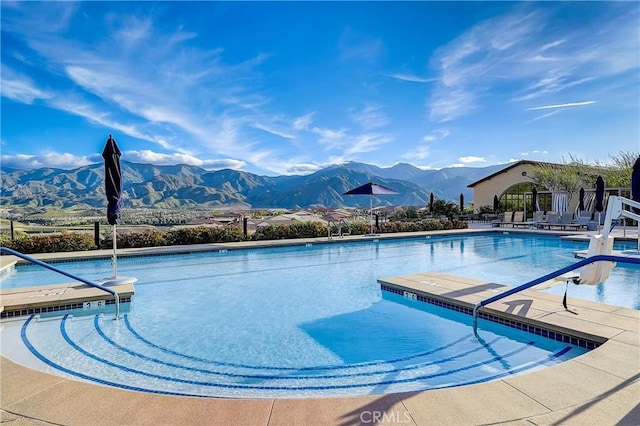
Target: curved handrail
60,271
346,224
581,263
330,225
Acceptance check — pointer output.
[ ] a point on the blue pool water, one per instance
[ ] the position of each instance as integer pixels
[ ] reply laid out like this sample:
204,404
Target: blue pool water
301,321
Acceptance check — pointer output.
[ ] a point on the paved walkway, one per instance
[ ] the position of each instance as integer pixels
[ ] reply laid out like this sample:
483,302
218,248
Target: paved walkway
601,387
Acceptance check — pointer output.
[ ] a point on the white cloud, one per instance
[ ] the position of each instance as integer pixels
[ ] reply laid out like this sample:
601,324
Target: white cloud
20,88
355,46
371,117
411,78
436,135
417,154
48,159
270,129
303,122
571,104
471,159
157,158
523,55
365,143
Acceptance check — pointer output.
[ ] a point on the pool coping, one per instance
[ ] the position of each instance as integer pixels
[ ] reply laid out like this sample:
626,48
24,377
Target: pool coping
600,387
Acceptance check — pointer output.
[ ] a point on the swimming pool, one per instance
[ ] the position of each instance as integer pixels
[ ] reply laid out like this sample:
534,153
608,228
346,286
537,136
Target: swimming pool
299,321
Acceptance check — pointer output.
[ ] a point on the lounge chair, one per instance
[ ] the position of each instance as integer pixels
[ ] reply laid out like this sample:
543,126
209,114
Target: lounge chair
507,219
566,218
580,222
552,220
518,220
538,216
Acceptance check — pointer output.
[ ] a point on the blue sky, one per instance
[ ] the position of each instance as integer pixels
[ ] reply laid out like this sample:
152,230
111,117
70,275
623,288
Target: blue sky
278,88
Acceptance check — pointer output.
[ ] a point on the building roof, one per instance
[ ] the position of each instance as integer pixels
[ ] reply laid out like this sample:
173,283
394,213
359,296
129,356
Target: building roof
509,167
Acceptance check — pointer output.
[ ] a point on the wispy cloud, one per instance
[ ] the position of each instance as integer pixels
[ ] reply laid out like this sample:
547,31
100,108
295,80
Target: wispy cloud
411,78
355,46
534,152
544,116
371,117
20,88
192,98
303,122
567,105
418,154
271,129
525,54
436,135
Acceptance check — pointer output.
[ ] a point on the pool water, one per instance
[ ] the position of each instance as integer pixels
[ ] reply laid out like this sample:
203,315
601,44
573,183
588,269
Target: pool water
301,321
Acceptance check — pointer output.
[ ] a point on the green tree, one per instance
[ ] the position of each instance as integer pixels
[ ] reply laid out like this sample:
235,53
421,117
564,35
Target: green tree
576,173
618,175
567,178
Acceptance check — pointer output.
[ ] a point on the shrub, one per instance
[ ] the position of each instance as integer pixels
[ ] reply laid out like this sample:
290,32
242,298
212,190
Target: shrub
294,230
203,235
146,238
51,243
76,241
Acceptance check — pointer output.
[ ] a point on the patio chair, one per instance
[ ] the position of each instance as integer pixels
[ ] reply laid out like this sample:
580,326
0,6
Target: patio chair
519,220
507,219
538,216
553,219
566,218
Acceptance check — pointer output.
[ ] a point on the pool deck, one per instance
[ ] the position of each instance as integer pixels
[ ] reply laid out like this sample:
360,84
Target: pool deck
601,387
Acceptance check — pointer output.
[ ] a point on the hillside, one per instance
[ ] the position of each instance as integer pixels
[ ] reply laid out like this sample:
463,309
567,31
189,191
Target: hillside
183,186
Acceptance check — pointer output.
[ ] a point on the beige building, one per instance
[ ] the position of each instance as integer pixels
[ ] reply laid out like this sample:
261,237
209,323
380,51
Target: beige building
503,182
513,187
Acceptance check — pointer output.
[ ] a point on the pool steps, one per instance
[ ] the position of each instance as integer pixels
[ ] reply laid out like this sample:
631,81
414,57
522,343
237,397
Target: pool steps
59,298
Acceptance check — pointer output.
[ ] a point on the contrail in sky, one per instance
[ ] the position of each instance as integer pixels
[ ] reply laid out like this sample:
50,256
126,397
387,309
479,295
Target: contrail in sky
562,105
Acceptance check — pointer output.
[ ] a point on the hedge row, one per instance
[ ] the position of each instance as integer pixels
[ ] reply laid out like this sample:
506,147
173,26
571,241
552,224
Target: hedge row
78,241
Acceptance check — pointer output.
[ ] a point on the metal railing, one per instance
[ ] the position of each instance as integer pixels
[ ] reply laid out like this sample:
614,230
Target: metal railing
60,271
331,225
347,227
581,263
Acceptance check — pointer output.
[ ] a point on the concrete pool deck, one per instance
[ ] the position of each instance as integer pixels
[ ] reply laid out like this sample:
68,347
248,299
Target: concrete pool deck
601,387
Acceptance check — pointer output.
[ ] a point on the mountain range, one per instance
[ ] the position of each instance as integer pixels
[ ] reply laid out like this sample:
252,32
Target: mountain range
185,186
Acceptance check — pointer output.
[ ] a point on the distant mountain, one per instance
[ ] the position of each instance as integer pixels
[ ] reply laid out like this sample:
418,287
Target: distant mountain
181,186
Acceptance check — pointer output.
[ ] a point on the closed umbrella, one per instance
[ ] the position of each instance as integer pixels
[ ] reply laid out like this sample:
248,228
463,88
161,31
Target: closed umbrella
599,198
635,184
534,199
371,189
581,200
599,194
496,204
461,203
635,191
113,190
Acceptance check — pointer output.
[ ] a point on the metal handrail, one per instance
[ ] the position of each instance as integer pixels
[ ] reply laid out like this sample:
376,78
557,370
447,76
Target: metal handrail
346,224
330,225
60,271
581,263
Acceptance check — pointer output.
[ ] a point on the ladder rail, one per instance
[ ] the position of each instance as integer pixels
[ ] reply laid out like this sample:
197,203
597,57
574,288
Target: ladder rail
347,226
330,225
60,271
